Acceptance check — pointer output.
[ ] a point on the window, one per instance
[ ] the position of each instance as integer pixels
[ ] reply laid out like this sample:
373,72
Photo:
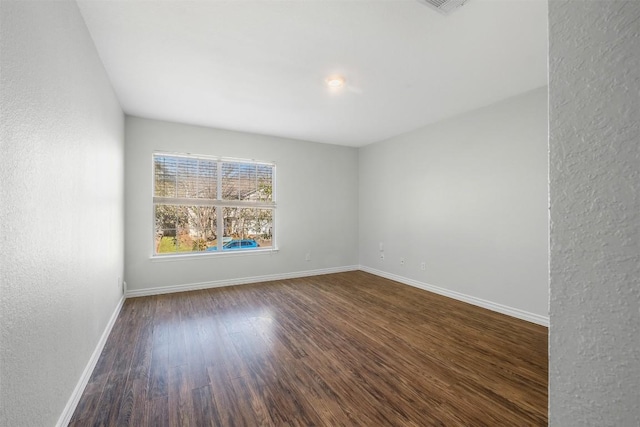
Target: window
212,205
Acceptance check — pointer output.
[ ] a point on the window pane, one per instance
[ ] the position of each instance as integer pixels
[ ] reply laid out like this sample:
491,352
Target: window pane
164,176
185,228
165,217
264,177
184,177
166,242
246,181
203,227
207,179
247,228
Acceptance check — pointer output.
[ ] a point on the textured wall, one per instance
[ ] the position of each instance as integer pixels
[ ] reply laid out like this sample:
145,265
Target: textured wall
316,184
595,213
469,197
61,209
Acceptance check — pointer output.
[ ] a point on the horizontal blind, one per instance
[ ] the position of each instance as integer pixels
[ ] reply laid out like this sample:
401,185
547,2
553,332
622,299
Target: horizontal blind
185,177
247,181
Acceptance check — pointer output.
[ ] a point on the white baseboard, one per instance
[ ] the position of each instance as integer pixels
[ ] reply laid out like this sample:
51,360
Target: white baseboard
232,282
509,311
66,415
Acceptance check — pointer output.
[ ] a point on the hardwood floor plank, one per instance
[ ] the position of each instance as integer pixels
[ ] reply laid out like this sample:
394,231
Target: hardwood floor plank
360,406
320,394
113,393
219,351
194,345
284,402
134,401
158,384
86,409
228,409
177,343
180,397
141,359
203,411
346,349
125,412
157,412
247,391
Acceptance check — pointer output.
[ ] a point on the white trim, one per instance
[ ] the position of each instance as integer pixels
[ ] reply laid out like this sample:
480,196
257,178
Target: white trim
184,201
509,311
209,157
232,282
218,202
182,256
72,403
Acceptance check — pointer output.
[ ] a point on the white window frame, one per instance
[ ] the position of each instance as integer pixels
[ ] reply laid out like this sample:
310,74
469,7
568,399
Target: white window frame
218,203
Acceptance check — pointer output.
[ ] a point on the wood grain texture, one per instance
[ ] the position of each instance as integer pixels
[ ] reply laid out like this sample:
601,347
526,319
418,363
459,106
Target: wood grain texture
344,349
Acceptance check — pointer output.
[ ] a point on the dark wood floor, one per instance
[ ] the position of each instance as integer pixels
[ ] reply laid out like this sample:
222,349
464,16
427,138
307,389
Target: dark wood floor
344,349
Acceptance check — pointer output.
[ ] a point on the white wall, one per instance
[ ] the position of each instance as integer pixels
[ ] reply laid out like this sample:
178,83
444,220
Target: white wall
61,208
469,197
594,363
317,205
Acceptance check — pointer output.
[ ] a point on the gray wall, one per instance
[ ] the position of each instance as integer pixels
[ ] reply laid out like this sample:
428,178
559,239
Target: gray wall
61,207
594,58
468,196
317,205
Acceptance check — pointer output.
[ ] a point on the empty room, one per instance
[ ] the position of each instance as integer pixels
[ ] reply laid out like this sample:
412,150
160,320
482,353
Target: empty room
320,213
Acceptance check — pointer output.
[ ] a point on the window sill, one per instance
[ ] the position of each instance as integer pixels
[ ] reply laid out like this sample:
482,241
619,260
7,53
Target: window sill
188,256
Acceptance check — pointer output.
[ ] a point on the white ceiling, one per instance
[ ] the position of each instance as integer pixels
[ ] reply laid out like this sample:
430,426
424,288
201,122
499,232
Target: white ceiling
259,66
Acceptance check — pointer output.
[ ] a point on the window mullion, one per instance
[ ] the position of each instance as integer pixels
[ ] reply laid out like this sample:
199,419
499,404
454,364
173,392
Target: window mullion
183,201
197,179
219,209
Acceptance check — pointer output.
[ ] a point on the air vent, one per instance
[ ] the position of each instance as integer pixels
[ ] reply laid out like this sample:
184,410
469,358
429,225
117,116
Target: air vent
444,6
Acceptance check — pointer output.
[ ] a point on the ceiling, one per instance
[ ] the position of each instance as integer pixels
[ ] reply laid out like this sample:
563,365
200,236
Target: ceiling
260,66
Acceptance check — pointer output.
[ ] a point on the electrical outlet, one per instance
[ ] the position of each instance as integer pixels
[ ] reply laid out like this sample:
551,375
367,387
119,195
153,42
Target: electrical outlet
401,261
423,265
307,257
382,256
